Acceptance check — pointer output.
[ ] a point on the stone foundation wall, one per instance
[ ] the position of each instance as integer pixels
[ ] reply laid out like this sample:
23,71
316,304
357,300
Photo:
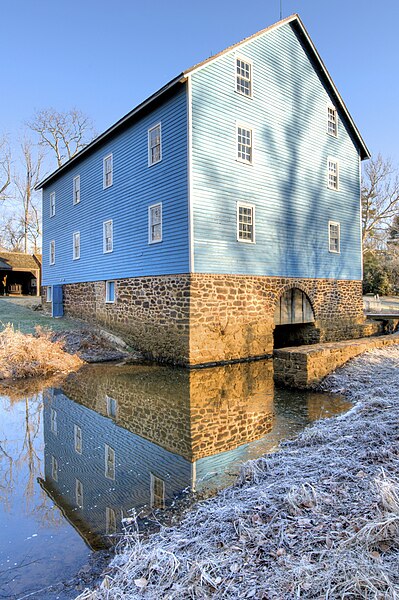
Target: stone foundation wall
232,316
202,318
150,313
307,366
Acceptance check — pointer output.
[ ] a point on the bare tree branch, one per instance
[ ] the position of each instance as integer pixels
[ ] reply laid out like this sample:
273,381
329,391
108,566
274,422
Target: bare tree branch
64,133
380,198
5,167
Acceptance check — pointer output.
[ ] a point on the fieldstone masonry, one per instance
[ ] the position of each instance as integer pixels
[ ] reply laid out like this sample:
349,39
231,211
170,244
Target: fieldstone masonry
194,413
194,319
305,367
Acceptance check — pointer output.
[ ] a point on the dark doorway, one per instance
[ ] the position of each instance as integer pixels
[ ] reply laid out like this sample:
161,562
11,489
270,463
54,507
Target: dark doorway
294,320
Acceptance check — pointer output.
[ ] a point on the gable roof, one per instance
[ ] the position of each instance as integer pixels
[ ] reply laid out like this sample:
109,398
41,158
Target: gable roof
295,20
18,260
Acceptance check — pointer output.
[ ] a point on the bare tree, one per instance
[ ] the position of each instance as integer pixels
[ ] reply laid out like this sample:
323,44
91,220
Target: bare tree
5,167
65,133
380,199
11,233
25,183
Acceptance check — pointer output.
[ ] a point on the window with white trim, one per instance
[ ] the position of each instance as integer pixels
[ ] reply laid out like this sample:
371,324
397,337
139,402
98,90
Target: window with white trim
79,493
157,498
245,222
110,292
334,235
76,245
52,204
76,189
244,144
155,223
332,121
52,252
112,407
244,76
49,293
333,173
53,421
78,439
54,468
110,520
108,236
154,145
109,462
107,171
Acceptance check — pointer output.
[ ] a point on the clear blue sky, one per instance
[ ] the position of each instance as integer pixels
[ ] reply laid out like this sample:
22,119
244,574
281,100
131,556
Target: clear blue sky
105,57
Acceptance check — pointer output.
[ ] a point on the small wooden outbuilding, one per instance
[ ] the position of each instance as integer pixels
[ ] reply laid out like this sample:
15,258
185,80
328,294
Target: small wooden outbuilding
20,274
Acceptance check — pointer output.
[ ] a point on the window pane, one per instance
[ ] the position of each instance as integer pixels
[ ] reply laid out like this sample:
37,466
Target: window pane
245,223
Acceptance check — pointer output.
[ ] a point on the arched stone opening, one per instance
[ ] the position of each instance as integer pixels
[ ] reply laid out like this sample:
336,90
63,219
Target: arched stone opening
294,320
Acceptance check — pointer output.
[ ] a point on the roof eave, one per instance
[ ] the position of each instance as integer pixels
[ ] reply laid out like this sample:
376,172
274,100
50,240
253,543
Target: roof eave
364,151
108,132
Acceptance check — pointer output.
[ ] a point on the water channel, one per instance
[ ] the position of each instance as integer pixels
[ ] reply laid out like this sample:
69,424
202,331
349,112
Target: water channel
75,459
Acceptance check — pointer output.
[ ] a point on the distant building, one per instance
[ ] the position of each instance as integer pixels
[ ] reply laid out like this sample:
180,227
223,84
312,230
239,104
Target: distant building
19,274
221,212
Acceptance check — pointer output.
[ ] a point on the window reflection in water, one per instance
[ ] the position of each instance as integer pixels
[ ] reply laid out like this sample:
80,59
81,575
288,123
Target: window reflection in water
150,432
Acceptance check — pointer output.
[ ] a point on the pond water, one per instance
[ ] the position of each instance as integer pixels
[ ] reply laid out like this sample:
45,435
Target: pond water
75,459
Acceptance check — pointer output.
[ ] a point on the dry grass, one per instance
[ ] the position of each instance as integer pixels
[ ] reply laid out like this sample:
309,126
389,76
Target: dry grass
25,355
318,519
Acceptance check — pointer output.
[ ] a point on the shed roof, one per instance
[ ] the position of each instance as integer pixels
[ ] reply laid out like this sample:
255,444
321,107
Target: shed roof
18,260
181,78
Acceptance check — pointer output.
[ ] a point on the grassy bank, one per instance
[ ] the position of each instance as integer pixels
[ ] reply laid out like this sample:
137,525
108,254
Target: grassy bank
24,355
317,519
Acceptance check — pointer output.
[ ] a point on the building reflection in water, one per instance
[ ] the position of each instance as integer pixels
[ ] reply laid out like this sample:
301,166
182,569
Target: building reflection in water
125,437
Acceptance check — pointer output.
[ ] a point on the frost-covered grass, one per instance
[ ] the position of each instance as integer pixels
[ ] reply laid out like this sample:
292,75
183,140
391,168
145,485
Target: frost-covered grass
25,355
317,519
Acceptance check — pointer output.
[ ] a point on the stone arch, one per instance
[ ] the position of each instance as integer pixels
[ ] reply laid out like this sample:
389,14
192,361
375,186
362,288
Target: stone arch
293,306
295,317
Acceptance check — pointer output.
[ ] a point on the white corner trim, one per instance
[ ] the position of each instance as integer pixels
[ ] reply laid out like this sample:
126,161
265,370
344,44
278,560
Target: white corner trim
189,176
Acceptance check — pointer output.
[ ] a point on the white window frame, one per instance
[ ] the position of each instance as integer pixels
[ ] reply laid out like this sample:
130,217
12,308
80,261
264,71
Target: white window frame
111,401
150,161
49,293
247,128
76,189
150,224
110,520
54,468
79,493
251,78
109,451
107,299
153,480
251,206
105,223
78,439
332,107
331,187
75,256
105,159
53,421
336,224
52,204
52,252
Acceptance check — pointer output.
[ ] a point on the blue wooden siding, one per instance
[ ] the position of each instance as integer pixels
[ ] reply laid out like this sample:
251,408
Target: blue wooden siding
287,181
135,187
135,459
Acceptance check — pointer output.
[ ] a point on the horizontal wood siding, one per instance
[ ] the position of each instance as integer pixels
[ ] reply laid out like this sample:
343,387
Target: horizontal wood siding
135,187
287,181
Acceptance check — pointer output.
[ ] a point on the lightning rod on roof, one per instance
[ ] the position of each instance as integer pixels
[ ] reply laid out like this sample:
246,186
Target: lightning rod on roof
281,9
